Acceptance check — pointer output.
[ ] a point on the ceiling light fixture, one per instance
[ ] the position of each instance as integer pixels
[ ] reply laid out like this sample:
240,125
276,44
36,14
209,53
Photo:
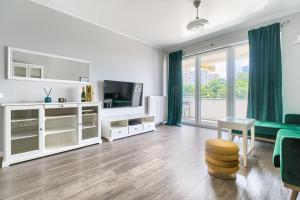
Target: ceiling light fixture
197,23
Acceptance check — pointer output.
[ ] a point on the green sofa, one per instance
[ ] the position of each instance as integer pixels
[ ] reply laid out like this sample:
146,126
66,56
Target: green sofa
286,153
269,130
287,156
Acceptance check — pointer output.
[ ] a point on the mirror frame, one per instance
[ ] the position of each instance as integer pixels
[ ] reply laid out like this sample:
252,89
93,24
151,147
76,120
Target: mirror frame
9,66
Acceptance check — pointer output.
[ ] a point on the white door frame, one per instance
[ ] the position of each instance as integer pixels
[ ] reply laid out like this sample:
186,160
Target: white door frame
227,51
230,50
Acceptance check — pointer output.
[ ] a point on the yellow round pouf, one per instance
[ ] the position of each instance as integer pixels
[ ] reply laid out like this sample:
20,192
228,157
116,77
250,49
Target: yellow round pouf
221,175
222,158
222,163
224,170
222,147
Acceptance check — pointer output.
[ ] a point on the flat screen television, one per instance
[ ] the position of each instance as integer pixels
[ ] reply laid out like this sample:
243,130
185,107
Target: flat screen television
122,94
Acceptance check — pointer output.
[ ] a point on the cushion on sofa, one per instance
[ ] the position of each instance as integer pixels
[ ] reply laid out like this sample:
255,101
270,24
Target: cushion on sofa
290,161
292,119
277,149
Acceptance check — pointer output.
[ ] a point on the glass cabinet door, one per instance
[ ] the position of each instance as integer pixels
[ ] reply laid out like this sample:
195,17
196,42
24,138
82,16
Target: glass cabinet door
24,130
89,122
36,71
19,69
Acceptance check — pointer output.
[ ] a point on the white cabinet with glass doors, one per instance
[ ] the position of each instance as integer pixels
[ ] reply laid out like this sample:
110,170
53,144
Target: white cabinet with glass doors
36,130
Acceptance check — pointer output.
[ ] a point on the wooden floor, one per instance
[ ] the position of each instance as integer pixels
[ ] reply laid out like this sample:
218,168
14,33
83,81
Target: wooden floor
166,164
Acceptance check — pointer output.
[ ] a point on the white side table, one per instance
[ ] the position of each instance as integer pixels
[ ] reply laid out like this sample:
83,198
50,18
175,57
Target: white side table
232,123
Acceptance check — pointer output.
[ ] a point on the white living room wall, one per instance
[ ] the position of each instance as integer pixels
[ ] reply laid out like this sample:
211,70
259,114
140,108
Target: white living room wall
26,25
291,65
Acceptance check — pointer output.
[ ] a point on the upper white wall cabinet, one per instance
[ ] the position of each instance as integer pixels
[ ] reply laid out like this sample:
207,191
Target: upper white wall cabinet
36,66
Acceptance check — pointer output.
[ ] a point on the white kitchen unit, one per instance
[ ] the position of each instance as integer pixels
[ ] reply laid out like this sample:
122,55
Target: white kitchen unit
117,127
33,130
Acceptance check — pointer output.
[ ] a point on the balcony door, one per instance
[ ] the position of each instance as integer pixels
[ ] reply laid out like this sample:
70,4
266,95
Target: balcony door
241,78
189,90
215,85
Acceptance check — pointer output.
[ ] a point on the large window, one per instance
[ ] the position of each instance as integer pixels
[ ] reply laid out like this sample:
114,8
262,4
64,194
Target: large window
215,85
188,78
241,80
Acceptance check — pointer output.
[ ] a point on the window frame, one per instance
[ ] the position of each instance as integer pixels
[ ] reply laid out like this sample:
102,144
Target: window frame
231,77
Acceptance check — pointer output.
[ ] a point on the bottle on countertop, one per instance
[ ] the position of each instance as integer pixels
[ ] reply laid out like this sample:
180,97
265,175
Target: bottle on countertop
88,93
83,96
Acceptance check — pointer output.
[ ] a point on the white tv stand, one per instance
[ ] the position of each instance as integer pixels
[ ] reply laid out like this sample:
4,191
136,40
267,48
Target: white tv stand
117,127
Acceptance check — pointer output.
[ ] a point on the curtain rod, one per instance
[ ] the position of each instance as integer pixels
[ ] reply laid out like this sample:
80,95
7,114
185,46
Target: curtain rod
284,23
215,49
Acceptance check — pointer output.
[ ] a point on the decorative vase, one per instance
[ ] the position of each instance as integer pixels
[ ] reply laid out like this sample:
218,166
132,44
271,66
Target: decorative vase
48,99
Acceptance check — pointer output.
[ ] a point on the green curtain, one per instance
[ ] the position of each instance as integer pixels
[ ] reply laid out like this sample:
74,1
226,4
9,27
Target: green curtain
175,89
265,74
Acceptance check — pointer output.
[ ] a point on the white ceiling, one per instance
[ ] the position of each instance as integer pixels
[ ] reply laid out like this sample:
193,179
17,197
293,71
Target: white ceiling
162,23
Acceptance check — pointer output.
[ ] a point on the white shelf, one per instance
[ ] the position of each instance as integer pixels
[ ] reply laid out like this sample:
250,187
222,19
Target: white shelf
52,103
58,117
124,117
118,126
24,120
88,126
58,130
89,114
91,110
24,135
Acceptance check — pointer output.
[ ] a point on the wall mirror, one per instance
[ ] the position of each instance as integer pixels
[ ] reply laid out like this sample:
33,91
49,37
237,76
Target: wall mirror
36,66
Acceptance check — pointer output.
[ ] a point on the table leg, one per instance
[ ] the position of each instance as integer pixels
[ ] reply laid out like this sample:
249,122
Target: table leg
253,140
219,132
245,146
230,136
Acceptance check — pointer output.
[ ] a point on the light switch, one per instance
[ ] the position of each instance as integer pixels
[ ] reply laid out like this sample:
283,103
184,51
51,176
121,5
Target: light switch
1,95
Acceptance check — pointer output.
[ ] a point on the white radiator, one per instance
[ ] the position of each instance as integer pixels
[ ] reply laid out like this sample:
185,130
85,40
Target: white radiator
157,106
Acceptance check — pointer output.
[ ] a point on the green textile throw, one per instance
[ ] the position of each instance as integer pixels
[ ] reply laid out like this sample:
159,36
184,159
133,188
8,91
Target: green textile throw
265,74
175,89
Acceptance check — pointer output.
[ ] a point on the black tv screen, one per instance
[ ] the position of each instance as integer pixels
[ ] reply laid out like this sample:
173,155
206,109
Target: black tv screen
122,94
